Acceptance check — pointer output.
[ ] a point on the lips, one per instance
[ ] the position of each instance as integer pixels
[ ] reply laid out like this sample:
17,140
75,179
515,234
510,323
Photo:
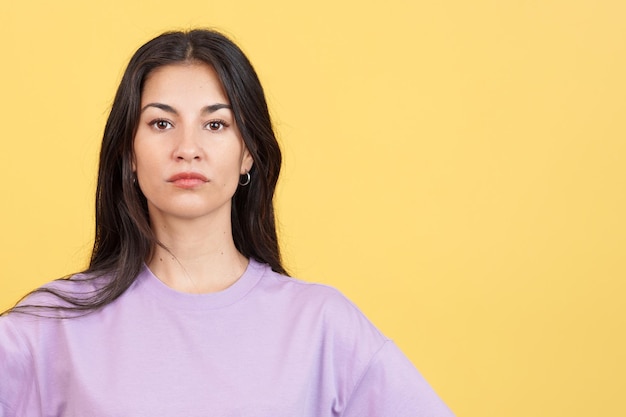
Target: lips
187,179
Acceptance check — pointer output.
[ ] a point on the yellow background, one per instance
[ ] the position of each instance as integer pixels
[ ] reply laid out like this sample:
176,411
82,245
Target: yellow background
457,168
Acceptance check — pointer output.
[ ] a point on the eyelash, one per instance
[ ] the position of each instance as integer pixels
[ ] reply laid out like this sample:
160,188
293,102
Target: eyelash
221,122
155,123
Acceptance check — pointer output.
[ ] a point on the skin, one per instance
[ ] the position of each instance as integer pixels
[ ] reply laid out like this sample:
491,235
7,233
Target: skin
187,129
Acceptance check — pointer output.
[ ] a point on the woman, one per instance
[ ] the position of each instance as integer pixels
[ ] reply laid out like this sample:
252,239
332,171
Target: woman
186,309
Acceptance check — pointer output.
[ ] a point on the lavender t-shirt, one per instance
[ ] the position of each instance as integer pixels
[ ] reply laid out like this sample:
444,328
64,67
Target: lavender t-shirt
268,346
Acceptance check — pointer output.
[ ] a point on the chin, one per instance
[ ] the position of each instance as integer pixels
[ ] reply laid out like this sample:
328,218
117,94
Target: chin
190,212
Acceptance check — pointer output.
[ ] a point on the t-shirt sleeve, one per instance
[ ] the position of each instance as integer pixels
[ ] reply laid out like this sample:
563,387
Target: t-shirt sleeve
392,387
15,369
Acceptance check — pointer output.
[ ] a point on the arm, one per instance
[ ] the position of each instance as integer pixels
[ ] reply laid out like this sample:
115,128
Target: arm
392,387
16,374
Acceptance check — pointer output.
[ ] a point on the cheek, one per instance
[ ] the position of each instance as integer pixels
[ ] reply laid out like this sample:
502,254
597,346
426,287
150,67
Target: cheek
146,171
229,177
145,158
229,162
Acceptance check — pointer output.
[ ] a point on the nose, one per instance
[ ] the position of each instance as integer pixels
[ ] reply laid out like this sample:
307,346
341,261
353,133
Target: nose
187,146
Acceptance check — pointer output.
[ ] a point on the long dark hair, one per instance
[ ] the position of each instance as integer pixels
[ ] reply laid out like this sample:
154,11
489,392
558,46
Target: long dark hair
123,238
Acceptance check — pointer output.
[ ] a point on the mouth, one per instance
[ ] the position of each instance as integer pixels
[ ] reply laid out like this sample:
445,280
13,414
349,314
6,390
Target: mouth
187,179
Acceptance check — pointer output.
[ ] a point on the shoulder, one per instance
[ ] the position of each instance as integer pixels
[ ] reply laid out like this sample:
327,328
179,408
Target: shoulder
58,293
373,375
309,294
326,306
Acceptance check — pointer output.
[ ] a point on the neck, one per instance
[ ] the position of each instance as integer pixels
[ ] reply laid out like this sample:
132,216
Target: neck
201,256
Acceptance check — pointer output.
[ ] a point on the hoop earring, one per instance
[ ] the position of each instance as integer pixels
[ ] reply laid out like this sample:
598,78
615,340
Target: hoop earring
246,181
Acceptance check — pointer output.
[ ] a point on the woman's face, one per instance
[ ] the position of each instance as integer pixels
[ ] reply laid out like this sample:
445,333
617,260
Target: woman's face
188,152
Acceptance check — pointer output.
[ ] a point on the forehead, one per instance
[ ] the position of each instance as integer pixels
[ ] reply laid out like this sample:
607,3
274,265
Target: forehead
183,82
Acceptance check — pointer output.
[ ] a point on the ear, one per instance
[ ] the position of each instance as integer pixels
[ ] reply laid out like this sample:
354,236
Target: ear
246,161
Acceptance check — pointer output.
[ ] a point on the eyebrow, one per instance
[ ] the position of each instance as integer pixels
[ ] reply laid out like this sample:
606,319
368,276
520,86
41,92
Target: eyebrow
205,110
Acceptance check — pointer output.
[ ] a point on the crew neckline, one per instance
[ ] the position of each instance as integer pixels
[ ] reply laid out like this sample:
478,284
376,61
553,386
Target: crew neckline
188,301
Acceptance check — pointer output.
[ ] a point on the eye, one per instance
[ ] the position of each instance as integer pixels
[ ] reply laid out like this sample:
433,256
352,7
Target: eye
161,124
216,125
